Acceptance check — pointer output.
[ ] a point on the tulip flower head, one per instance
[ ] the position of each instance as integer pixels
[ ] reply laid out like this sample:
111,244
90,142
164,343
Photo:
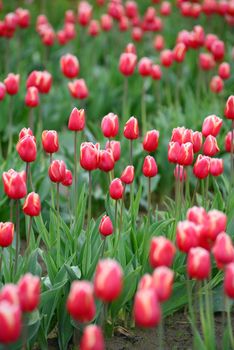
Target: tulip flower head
29,292
14,184
76,120
6,234
32,204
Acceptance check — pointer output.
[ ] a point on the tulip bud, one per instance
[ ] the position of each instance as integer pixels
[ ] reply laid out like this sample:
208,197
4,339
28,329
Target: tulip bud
94,28
198,215
29,292
127,63
14,184
23,17
108,280
166,58
131,9
211,125
131,129
106,22
217,223
165,9
45,83
186,236
2,91
84,13
137,34
206,61
159,42
110,125
179,52
198,263
106,226
80,301
216,166
178,135
156,72
6,234
12,83
173,152
144,66
162,282
69,65
130,48
127,175
78,89
162,252
150,142
223,249
210,147
180,173
50,142
92,338
218,49
229,280
116,189
229,138
76,120
32,204
149,168
224,70
216,84
106,160
68,178
32,97
10,319
197,141
201,167
115,147
229,108
57,171
147,311
10,294
89,156
27,148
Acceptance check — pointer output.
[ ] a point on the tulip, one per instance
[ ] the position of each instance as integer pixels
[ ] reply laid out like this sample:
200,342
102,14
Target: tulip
106,22
32,204
165,9
186,236
223,249
201,167
206,61
108,280
68,178
150,142
78,89
211,125
147,311
229,280
89,156
110,125
173,152
224,70
94,28
106,160
217,223
32,97
162,252
6,234
131,9
92,338
146,282
150,168
131,48
9,293
156,72
127,175
127,63
61,37
159,42
115,147
29,292
229,140
2,91
198,263
229,108
131,132
24,132
185,156
27,148
178,135
166,58
216,166
162,282
179,52
57,171
137,34
106,226
14,184
12,83
84,13
23,17
45,83
69,65
180,173
216,84
198,215
218,49
50,142
11,323
80,301
210,147
116,189
144,67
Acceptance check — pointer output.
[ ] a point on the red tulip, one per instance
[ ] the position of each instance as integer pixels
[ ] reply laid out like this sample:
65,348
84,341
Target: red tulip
150,142
216,84
77,120
2,91
186,236
131,48
218,49
23,17
173,152
211,125
166,58
224,70
106,22
180,173
209,40
165,8
201,167
84,13
223,249
32,204
10,294
115,147
198,215
14,184
146,282
229,108
137,34
80,301
61,37
12,83
45,83
27,148
144,66
106,226
185,156
108,280
162,252
116,189
149,168
6,234
68,178
89,156
197,141
216,166
110,125
29,292
131,9
217,223
159,42
92,338
106,160
78,89
131,129
127,175
198,263
147,311
156,72
69,65
11,324
50,142
162,282
229,280
228,141
25,132
57,171
210,147
206,61
94,28
32,97
179,52
70,17
127,63
178,135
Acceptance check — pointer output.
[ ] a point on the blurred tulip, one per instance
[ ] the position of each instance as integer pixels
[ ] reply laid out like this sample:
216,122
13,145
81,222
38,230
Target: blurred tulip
89,156
166,58
197,141
23,17
127,175
146,309
210,146
78,89
94,28
14,184
229,280
149,168
186,236
218,49
223,249
224,70
127,63
92,338
29,292
228,141
216,166
2,91
57,171
12,83
106,226
50,142
211,125
229,108
206,61
198,263
27,148
159,42
156,72
77,120
69,65
84,13
179,52
137,34
68,178
180,173
116,189
131,129
185,156
162,282
11,323
131,9
6,234
165,9
130,48
32,97
173,152
217,223
144,66
25,132
201,167
32,204
146,282
162,252
216,84
106,22
110,125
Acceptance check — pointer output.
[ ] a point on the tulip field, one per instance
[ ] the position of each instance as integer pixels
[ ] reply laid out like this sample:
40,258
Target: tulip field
117,174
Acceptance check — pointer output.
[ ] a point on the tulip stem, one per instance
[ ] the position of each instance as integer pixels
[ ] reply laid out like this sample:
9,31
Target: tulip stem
11,209
161,334
75,169
131,152
58,228
121,210
117,233
27,171
90,197
29,232
229,322
149,199
30,118
10,122
103,247
190,302
17,234
1,259
232,150
125,101
194,192
143,108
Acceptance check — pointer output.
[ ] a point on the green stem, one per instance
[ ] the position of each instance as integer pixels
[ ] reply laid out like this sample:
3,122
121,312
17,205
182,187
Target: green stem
90,198
149,200
121,210
143,108
29,232
30,118
27,171
10,125
229,322
75,170
117,233
17,234
131,152
194,192
58,239
125,101
103,247
1,259
161,334
231,154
